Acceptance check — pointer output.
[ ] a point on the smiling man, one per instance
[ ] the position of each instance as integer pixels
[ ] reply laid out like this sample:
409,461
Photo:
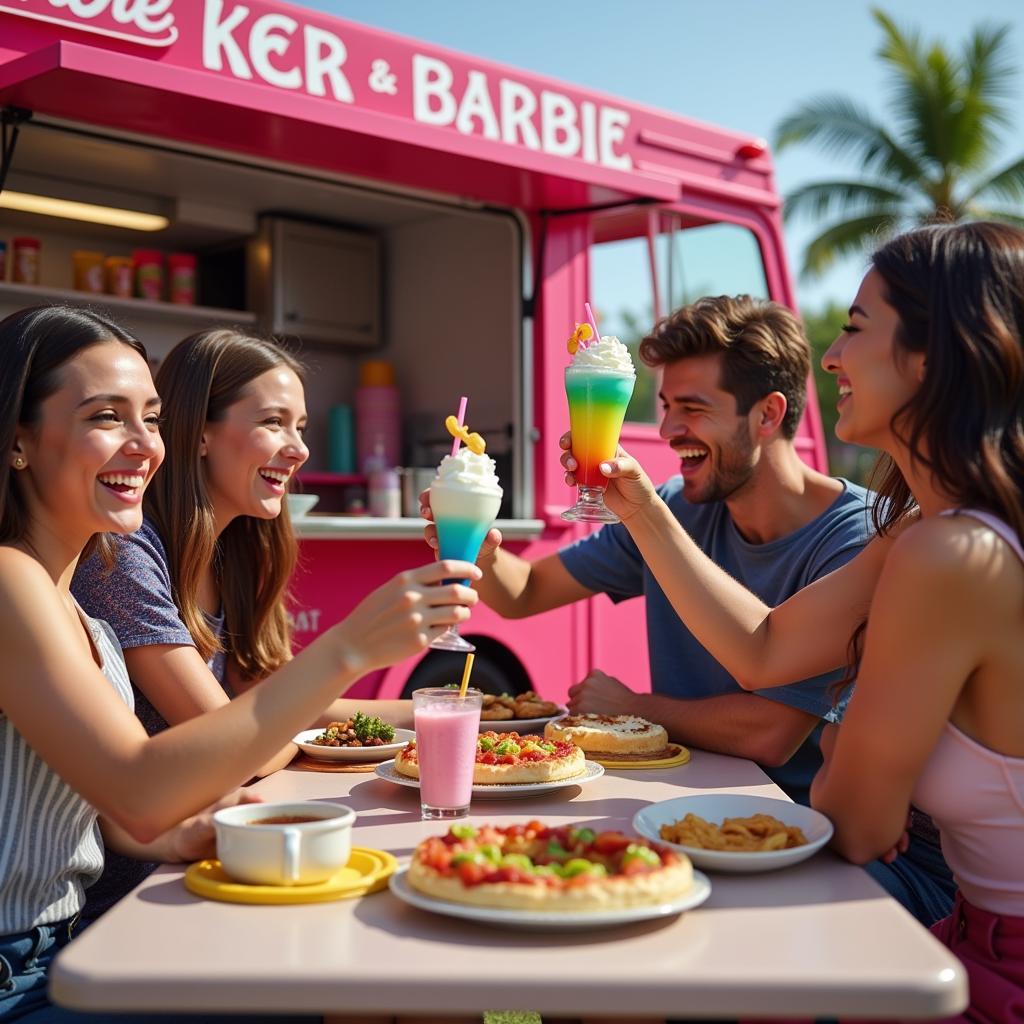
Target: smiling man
734,380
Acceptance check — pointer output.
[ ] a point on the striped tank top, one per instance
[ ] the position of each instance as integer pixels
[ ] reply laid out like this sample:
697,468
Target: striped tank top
50,844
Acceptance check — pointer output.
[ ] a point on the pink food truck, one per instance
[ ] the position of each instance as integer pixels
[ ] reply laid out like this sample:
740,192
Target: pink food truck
424,223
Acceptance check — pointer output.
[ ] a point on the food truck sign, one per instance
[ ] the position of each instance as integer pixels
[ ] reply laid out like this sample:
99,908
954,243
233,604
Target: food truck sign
288,48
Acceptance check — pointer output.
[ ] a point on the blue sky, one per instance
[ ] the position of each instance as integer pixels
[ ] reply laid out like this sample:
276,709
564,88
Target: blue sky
743,64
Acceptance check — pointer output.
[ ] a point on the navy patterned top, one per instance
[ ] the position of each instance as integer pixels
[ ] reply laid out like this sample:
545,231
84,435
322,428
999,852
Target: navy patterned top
136,598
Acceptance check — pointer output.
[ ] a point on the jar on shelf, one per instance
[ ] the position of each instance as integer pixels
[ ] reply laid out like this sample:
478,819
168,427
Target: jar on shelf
149,274
25,260
181,278
118,272
87,271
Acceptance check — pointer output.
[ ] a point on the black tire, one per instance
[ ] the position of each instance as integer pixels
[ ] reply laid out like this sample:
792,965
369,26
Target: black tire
495,669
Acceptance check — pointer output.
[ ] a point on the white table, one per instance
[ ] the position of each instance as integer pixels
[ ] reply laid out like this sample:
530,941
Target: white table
820,938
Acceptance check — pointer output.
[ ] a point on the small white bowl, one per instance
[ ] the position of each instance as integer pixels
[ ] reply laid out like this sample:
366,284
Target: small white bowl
301,504
259,851
714,808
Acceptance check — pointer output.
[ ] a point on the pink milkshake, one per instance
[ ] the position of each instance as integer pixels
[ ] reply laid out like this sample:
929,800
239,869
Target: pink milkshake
447,727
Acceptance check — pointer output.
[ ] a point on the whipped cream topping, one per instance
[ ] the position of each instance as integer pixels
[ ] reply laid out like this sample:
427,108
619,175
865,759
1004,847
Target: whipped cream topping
607,354
468,471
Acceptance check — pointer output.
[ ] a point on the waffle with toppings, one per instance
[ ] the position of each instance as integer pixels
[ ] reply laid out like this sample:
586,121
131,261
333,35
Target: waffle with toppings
612,736
508,758
537,867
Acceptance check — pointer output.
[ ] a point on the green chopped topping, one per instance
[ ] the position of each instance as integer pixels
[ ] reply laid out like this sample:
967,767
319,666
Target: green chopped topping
491,852
466,857
581,866
507,747
486,743
368,728
555,849
580,836
548,747
463,831
642,853
517,860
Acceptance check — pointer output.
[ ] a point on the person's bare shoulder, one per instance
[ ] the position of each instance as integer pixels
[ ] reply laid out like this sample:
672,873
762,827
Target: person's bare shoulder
941,552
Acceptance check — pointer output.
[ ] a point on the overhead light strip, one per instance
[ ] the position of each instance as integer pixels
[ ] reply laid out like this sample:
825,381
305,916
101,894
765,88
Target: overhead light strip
90,212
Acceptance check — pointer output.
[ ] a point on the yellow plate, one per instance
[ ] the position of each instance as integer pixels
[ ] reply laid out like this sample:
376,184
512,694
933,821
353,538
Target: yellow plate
666,762
367,871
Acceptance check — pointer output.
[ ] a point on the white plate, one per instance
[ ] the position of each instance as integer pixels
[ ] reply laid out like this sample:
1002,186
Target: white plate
715,807
499,790
562,920
304,741
522,725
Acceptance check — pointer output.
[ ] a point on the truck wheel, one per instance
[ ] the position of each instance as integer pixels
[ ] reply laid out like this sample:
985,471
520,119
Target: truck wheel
495,669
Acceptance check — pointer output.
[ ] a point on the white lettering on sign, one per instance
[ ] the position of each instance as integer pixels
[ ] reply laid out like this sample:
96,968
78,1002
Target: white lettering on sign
323,53
306,621
152,19
552,124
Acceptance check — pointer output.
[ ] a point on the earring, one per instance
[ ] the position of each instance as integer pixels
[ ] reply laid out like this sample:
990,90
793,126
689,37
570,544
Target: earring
19,462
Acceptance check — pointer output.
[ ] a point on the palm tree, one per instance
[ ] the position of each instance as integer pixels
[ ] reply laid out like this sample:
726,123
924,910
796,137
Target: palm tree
946,112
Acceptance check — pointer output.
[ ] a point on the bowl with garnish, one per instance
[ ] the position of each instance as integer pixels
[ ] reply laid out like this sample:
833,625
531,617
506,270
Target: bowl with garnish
361,738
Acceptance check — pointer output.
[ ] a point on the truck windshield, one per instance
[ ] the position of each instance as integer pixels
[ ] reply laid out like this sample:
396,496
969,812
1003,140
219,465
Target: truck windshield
634,280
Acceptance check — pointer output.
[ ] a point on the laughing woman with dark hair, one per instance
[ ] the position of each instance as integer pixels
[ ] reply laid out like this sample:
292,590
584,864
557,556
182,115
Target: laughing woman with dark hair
930,370
79,429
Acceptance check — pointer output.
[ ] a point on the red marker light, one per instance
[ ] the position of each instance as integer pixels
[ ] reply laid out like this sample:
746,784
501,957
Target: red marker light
752,150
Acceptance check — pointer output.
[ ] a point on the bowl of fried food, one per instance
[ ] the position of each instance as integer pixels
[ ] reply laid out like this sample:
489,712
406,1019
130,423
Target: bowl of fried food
518,712
733,832
361,738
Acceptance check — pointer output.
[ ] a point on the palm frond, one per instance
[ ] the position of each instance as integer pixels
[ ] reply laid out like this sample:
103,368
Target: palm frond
827,199
990,67
843,128
849,236
1007,183
948,107
1006,216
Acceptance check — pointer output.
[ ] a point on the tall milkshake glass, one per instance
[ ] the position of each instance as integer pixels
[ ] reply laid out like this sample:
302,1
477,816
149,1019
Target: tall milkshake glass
447,727
598,384
465,498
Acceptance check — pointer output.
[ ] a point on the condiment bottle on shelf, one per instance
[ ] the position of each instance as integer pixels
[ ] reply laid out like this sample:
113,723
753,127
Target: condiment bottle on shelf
25,260
378,418
383,485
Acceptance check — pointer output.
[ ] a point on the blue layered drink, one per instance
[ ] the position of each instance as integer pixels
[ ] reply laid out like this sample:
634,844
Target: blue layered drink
465,497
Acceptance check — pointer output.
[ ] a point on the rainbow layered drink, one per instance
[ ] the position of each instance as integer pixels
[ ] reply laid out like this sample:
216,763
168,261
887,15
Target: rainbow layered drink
599,384
465,497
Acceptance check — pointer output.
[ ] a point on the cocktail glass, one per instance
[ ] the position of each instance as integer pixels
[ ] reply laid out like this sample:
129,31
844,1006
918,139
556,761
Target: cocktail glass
462,516
447,727
597,406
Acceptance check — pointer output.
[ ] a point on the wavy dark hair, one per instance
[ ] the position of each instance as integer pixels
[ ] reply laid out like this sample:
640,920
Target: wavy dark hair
253,559
958,290
36,343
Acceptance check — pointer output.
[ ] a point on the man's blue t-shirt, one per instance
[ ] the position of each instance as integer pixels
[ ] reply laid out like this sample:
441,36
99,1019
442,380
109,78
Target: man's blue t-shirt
609,562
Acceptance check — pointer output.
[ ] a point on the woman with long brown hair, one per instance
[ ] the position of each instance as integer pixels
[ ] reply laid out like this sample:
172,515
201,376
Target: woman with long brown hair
197,596
930,369
79,428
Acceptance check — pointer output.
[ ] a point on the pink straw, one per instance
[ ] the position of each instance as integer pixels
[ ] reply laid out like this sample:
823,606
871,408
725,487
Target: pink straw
593,321
462,419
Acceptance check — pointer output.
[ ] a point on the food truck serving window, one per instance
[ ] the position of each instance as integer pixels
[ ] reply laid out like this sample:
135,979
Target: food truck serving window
635,280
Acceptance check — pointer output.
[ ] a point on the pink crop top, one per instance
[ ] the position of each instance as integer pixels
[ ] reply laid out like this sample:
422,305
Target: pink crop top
976,797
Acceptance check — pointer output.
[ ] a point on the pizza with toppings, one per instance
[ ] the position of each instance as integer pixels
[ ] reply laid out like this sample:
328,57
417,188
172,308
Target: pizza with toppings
508,758
536,867
609,736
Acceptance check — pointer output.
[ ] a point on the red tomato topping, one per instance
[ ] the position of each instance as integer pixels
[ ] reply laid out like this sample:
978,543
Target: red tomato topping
611,842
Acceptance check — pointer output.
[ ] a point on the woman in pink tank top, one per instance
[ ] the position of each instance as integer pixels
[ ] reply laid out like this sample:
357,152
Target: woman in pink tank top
930,616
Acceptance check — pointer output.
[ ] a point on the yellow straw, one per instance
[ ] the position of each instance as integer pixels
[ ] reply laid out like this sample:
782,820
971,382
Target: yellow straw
465,674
